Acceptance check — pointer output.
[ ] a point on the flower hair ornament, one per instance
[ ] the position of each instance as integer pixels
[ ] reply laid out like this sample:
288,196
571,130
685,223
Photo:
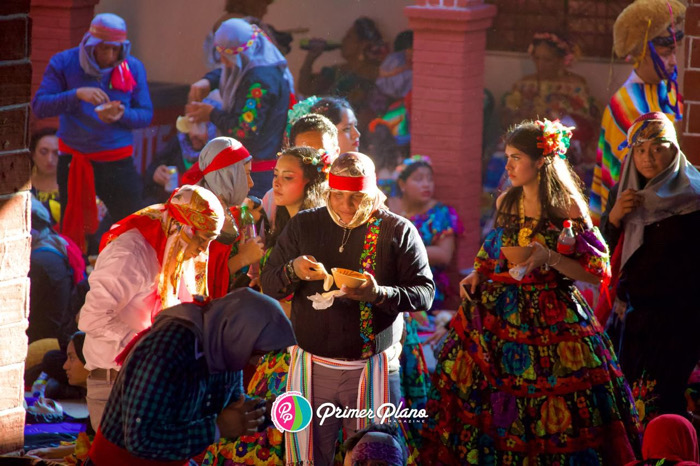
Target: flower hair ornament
243,47
570,51
299,110
411,160
555,139
321,160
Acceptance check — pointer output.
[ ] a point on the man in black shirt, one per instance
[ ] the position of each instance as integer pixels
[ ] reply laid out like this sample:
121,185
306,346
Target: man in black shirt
353,345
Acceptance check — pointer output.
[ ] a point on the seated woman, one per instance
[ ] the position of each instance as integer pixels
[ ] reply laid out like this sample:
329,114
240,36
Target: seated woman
43,149
554,92
299,183
76,376
651,221
437,223
362,49
526,374
56,267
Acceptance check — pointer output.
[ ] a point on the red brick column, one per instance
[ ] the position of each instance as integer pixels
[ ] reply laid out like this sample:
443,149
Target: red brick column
57,25
447,109
691,84
15,78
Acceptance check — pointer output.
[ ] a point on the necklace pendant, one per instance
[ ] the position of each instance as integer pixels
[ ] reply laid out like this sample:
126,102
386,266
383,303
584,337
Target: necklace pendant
341,249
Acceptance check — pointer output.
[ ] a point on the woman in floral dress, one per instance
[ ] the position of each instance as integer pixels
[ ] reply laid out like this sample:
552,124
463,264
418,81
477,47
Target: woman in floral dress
526,375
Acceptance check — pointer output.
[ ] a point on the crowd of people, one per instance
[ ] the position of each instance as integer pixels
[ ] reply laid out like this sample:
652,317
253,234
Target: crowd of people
286,246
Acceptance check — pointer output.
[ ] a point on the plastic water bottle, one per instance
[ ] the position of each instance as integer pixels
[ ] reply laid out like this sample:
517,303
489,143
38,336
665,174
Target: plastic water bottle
567,240
247,224
39,385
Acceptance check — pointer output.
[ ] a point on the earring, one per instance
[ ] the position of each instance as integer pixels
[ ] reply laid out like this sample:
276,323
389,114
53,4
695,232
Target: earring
539,177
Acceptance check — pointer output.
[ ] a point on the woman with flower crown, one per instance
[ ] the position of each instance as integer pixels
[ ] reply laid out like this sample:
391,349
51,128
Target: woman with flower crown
299,183
554,92
526,374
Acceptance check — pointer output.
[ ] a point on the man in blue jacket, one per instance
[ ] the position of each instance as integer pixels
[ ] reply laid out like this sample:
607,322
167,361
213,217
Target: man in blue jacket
100,94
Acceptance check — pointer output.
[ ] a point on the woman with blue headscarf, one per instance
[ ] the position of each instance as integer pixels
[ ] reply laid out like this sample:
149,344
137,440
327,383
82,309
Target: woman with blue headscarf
256,89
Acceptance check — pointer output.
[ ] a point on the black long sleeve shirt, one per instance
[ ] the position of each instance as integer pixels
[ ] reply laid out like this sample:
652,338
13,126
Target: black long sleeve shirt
401,269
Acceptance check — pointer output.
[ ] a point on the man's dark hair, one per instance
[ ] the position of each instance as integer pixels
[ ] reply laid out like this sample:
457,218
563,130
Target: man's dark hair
312,122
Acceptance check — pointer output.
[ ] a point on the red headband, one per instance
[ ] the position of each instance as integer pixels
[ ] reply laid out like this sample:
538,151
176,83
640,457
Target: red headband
352,183
223,159
107,34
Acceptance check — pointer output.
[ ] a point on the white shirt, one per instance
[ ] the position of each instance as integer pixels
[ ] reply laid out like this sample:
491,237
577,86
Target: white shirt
122,300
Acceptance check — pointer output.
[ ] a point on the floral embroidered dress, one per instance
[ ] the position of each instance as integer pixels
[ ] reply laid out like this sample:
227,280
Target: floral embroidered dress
526,375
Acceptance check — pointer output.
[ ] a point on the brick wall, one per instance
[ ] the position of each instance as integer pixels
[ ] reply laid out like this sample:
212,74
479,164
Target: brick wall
447,108
588,23
691,84
15,79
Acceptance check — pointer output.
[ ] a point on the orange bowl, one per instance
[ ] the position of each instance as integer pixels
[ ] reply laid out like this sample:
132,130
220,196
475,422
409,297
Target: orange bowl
516,254
349,278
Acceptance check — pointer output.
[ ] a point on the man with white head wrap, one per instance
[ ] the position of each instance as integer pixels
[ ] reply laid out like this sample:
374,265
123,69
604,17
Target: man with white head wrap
151,260
347,354
96,147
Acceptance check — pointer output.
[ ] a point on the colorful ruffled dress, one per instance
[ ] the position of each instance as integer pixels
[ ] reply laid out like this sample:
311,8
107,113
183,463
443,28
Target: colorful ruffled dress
527,375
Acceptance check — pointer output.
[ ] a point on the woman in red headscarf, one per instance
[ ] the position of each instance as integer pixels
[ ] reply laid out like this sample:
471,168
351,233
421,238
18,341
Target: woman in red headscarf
669,440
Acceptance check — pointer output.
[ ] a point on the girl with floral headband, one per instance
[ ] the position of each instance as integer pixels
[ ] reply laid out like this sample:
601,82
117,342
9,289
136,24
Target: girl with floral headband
555,92
526,373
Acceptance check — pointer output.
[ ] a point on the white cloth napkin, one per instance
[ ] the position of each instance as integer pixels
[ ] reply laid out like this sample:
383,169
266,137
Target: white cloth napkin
325,300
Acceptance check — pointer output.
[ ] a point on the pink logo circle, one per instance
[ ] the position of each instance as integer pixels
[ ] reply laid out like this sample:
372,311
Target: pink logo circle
291,412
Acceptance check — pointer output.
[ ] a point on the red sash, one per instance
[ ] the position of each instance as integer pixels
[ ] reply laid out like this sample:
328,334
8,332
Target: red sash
81,212
218,275
105,453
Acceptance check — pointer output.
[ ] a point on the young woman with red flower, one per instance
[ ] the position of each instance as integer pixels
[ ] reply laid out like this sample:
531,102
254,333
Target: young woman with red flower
536,355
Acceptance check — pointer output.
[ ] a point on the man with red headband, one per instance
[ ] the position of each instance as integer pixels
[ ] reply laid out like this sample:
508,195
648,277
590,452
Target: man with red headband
348,352
151,260
100,94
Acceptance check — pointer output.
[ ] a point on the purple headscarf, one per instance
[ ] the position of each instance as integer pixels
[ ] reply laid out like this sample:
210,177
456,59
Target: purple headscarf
378,446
